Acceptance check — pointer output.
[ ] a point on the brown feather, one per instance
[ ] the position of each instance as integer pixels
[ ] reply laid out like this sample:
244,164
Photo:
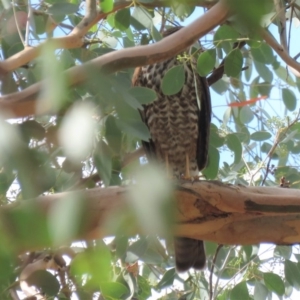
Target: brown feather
178,127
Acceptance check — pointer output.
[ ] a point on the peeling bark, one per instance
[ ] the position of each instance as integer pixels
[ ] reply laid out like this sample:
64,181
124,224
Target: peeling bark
206,210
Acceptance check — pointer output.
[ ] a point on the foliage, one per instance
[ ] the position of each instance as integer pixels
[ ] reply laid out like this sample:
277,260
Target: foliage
93,126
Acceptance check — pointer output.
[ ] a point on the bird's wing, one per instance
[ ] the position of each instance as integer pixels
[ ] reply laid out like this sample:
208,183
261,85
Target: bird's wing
203,121
148,146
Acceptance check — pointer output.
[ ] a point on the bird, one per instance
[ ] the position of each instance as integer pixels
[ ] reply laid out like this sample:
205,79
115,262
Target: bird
179,127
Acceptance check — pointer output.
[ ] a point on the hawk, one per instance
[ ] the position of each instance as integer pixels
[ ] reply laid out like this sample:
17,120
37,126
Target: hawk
179,128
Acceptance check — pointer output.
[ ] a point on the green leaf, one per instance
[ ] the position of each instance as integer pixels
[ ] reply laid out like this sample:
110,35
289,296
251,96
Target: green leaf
263,71
206,62
126,107
227,115
143,94
135,128
248,71
250,13
182,10
40,24
212,168
122,19
292,273
62,8
45,281
274,283
6,179
260,291
234,145
240,291
167,279
144,290
173,80
289,99
225,32
113,134
32,130
142,16
243,134
127,42
298,83
215,139
282,73
263,54
131,100
233,63
283,251
94,261
136,250
155,34
152,257
113,290
264,88
106,5
210,248
253,88
220,86
246,115
128,279
121,245
296,148
260,136
111,20
103,162
25,232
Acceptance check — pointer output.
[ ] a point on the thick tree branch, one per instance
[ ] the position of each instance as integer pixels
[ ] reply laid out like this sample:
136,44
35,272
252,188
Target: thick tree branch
280,50
23,103
206,210
75,38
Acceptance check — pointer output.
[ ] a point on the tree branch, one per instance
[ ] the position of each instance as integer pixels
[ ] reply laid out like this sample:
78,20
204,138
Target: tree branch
23,103
75,38
280,50
207,210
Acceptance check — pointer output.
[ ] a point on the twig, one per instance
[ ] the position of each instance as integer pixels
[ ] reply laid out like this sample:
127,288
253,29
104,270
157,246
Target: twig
29,18
222,269
14,294
278,139
212,271
17,23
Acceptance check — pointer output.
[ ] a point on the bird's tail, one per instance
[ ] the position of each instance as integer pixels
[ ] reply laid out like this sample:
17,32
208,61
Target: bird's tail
189,253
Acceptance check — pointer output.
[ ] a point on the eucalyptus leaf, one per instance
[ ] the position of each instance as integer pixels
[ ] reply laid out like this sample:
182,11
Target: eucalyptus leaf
274,283
260,136
234,144
233,63
122,19
289,99
206,62
173,80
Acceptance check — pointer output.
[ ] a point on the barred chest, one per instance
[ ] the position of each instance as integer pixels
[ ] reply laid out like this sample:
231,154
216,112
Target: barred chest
172,120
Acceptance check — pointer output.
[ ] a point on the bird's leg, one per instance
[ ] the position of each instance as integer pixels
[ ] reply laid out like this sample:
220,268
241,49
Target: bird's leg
187,174
167,165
